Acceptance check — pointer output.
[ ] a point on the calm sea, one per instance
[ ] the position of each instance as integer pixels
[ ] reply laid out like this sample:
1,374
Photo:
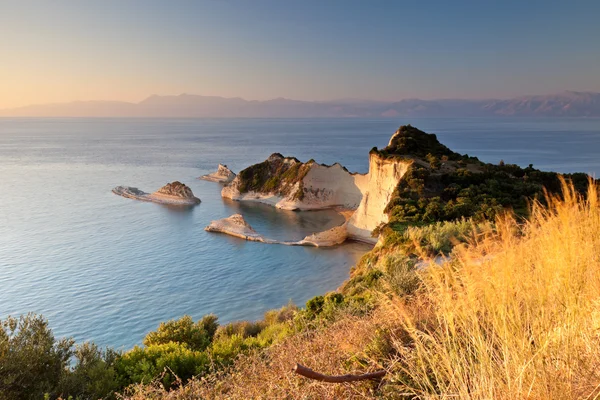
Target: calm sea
104,268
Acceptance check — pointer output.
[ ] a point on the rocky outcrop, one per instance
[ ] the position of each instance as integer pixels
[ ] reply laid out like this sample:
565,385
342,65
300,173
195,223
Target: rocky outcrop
331,237
223,175
174,193
289,184
237,226
178,190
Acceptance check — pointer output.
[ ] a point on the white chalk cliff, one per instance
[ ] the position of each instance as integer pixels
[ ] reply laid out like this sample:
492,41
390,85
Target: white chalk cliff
377,188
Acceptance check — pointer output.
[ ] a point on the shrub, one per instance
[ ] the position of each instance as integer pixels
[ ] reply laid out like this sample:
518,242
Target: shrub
32,362
167,361
400,273
315,305
196,335
434,162
285,313
242,328
94,375
226,348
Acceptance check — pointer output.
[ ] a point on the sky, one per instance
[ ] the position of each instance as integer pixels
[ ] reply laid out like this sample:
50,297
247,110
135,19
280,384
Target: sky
60,51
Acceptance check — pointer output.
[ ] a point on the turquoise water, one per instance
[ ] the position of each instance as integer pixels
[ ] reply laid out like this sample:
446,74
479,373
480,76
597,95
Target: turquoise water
104,268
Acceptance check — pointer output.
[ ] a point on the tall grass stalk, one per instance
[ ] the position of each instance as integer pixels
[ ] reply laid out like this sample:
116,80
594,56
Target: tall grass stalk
516,315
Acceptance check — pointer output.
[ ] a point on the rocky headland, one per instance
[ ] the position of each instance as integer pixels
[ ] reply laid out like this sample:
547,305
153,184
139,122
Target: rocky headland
287,183
413,180
223,175
174,193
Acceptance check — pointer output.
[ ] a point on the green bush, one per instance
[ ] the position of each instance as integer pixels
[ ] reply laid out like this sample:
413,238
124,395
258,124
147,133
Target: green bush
434,162
167,361
32,362
400,273
242,328
285,313
273,333
226,348
196,335
94,375
315,305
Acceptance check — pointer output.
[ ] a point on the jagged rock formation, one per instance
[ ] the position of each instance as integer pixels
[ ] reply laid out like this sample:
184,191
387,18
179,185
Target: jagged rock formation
331,237
174,193
237,226
176,189
223,175
287,183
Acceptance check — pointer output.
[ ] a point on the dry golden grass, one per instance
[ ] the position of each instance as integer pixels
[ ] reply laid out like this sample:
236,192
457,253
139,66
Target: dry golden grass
514,317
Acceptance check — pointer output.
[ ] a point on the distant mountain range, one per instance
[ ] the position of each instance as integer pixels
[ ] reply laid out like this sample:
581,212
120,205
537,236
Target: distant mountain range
565,104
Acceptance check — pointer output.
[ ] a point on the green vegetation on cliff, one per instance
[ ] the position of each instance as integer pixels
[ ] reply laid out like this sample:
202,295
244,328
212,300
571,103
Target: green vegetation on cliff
441,185
279,175
412,142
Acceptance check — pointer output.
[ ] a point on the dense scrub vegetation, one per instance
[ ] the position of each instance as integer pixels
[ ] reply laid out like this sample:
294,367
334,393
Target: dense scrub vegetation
34,364
412,142
278,175
442,185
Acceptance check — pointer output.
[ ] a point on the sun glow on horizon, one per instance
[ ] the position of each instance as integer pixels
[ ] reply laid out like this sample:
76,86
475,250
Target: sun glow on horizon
68,51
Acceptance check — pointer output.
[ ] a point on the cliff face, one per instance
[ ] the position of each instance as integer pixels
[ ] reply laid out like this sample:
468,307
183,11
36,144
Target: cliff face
287,183
311,186
377,188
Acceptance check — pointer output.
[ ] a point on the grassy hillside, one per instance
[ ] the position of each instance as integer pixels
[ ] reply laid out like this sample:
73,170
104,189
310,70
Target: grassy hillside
514,314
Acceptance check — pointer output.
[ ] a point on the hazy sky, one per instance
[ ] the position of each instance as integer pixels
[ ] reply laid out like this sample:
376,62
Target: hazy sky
55,51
